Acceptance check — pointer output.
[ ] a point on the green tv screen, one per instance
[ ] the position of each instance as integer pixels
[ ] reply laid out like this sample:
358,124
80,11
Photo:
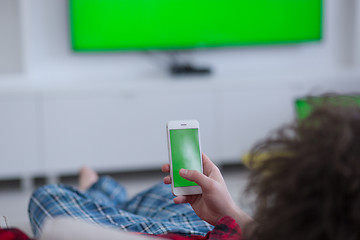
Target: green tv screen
108,25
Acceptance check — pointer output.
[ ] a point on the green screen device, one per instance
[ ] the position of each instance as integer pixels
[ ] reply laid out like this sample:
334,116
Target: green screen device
183,137
305,106
185,153
121,25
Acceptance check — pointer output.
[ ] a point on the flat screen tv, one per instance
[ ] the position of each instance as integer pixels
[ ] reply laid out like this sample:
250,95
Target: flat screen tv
122,25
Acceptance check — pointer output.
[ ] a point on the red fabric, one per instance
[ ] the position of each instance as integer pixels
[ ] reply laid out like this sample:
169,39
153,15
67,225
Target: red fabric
13,234
226,228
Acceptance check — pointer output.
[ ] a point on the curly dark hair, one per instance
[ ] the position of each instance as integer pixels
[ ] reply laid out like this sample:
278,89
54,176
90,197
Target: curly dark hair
309,187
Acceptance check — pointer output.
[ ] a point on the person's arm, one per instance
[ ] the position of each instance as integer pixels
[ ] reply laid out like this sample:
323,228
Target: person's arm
215,202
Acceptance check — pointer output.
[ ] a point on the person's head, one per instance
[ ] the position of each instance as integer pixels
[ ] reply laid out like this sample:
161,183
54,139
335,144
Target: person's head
309,187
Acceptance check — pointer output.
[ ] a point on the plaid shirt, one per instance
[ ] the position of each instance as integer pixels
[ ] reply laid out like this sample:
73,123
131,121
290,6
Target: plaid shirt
152,211
106,203
226,228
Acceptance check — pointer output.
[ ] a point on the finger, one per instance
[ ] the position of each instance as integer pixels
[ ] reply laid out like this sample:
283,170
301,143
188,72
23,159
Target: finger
167,180
197,177
181,199
210,169
207,164
165,168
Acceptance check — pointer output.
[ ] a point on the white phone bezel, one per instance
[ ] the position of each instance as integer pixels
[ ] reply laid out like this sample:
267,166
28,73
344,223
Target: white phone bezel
183,124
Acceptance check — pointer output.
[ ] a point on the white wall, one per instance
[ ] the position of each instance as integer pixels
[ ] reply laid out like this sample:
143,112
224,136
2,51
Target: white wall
47,49
357,34
10,37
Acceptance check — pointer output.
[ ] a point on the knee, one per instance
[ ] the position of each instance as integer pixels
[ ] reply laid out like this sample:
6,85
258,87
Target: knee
40,198
44,192
38,207
39,195
46,197
47,201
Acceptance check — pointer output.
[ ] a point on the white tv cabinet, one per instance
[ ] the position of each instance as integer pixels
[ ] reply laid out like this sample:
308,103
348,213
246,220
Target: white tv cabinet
52,129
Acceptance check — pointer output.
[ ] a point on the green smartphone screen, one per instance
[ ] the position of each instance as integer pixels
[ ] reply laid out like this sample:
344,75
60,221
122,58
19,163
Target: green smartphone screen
185,153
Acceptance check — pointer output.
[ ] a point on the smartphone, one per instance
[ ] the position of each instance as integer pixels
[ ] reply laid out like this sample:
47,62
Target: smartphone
184,146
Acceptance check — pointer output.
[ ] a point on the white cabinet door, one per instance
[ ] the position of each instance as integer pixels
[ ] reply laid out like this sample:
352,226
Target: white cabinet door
84,130
157,109
18,137
116,132
251,115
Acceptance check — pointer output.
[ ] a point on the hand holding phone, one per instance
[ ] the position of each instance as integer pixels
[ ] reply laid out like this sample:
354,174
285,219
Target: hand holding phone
184,152
215,201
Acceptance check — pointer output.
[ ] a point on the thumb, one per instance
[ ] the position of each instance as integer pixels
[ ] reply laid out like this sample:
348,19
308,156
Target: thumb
197,177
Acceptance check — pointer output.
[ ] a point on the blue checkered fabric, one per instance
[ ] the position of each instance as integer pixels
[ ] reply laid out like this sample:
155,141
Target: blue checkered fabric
105,203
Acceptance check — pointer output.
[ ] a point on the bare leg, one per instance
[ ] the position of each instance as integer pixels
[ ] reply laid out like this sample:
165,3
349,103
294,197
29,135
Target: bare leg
87,177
